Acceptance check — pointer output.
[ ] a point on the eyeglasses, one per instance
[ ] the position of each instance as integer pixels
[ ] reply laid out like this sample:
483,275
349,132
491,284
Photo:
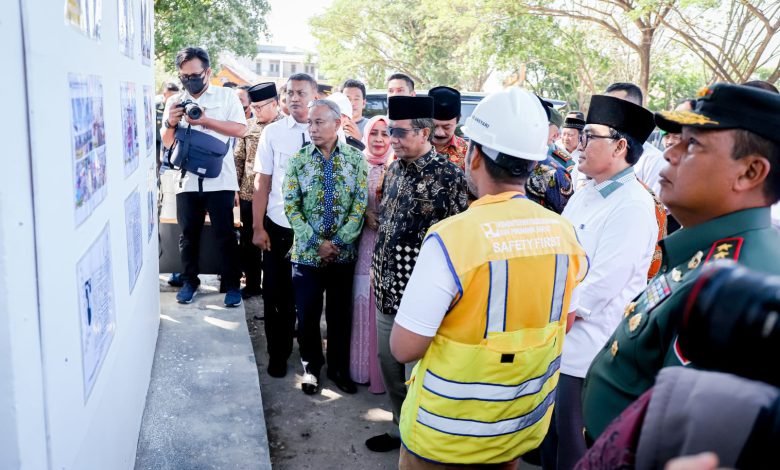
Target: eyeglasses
258,106
193,76
586,137
400,132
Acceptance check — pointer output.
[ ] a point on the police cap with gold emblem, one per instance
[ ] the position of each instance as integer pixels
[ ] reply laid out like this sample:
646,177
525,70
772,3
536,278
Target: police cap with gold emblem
621,115
727,106
409,107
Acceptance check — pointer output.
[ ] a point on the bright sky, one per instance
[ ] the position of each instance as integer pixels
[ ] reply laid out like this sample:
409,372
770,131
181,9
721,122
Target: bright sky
288,22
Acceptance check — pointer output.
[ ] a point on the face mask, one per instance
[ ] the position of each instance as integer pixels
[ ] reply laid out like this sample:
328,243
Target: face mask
194,85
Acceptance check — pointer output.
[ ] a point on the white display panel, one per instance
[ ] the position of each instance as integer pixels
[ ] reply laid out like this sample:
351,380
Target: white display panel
92,420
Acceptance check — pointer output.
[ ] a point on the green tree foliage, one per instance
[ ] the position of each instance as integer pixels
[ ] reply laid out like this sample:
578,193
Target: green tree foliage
216,25
436,42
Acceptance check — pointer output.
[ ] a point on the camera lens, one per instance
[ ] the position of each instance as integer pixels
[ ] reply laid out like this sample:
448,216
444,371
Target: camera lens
193,111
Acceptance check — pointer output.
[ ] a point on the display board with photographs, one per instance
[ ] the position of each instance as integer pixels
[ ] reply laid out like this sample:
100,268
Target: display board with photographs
151,202
88,143
85,15
95,286
129,127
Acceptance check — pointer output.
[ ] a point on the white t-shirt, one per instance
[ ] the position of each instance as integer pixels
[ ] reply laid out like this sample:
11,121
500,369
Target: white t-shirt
649,165
618,230
221,104
431,290
278,142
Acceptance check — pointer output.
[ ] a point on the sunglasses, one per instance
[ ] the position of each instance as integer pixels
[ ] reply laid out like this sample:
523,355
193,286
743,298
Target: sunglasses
400,132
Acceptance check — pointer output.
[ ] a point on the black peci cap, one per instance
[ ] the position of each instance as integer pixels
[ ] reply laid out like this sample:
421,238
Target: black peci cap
621,115
409,107
727,106
446,102
262,91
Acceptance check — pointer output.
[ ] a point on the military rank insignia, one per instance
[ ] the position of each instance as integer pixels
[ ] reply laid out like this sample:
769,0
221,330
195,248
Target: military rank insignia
727,248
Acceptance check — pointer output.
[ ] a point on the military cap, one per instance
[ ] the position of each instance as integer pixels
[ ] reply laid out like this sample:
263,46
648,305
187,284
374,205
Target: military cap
409,107
262,91
446,102
621,115
727,106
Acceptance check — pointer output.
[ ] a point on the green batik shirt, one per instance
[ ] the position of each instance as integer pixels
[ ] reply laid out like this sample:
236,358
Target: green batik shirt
646,339
325,199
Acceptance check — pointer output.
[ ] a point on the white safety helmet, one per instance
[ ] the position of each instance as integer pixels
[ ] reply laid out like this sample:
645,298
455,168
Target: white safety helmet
512,122
342,101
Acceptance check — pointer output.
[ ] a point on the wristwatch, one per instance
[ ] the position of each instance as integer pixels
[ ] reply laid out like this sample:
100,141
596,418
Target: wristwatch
167,125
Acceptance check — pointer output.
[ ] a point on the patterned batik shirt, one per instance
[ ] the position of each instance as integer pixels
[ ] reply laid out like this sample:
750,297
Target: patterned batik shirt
456,150
415,195
244,154
325,200
549,185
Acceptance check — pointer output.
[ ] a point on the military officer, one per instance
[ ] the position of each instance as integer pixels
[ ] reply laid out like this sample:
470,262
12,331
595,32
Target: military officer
721,179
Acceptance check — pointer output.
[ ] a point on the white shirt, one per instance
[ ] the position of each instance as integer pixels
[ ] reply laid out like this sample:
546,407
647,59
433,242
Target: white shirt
649,165
221,104
618,229
278,142
431,290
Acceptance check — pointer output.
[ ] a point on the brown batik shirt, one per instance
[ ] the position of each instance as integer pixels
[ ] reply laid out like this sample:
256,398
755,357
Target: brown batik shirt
244,154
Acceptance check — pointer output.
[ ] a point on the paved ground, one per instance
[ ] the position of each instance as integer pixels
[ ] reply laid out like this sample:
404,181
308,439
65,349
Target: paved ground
323,431
204,407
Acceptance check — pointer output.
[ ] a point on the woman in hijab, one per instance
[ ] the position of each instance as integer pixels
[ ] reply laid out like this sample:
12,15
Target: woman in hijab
363,363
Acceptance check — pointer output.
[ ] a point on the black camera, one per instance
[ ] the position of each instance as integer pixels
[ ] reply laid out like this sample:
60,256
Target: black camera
731,322
192,109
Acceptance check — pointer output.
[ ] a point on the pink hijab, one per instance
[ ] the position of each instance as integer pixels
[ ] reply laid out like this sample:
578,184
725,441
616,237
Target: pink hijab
370,157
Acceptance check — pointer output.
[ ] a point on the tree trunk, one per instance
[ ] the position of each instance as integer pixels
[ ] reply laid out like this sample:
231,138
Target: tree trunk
644,63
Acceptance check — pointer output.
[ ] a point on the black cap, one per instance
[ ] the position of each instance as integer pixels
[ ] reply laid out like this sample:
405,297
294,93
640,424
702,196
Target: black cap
446,102
727,106
262,91
409,107
621,115
573,123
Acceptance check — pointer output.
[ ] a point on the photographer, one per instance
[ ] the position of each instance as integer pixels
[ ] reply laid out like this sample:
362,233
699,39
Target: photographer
221,117
720,181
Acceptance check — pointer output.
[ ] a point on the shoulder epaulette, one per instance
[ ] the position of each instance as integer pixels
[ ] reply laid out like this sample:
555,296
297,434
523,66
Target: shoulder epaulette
726,248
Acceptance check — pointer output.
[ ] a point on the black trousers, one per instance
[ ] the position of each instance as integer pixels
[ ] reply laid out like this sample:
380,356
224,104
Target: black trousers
278,300
310,283
565,443
250,255
191,208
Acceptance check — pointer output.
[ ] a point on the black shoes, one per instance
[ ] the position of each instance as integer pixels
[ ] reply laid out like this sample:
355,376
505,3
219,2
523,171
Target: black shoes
311,383
277,369
248,292
343,382
383,443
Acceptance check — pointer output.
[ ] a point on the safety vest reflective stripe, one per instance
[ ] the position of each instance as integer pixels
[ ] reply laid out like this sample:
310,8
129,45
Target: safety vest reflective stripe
472,428
559,288
496,311
484,391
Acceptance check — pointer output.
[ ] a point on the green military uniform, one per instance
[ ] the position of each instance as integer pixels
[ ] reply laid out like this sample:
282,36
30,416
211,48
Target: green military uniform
646,340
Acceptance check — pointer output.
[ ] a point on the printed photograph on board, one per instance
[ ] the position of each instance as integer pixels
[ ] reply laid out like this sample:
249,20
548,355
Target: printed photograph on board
85,15
147,36
151,199
150,119
126,26
88,134
135,249
130,143
96,307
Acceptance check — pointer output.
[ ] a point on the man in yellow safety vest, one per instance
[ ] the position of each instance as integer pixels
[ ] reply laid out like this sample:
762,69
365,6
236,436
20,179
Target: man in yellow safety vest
487,305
